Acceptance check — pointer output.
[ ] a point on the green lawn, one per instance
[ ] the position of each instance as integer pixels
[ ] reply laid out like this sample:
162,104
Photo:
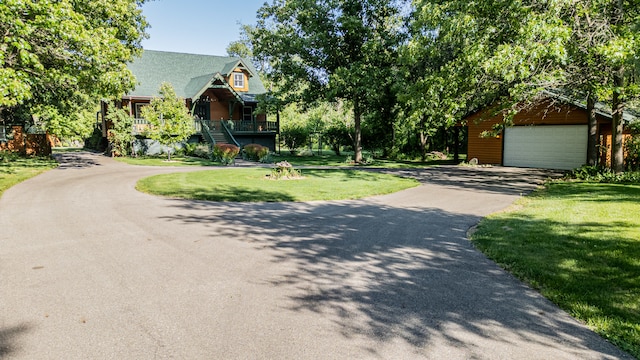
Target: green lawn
330,159
324,159
253,185
14,169
162,161
579,245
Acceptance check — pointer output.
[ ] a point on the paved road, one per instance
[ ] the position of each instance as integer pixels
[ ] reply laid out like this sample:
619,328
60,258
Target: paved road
92,269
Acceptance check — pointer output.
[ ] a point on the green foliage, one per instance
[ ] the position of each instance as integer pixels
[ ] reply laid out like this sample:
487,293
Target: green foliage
202,151
168,117
256,152
600,174
330,50
632,148
93,141
59,53
7,156
120,136
336,136
225,153
294,136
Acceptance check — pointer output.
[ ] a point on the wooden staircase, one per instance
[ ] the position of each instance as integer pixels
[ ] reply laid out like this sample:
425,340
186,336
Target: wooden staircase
219,137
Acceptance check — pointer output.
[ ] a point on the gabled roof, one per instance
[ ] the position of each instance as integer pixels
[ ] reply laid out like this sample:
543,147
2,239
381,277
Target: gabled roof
188,73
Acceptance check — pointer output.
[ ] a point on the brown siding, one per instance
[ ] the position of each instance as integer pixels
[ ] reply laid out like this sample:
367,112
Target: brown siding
488,150
219,110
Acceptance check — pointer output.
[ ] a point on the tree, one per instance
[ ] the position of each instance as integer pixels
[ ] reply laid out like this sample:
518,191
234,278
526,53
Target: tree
63,54
168,117
330,50
120,136
512,51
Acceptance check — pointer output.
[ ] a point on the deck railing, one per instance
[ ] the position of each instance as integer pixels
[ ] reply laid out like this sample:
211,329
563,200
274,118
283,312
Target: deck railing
234,126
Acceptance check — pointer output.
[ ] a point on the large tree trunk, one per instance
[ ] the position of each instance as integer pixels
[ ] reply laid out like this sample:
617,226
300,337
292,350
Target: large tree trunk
423,139
617,154
357,141
592,142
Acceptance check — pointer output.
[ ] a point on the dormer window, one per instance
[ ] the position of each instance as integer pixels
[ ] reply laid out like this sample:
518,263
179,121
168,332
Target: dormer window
238,80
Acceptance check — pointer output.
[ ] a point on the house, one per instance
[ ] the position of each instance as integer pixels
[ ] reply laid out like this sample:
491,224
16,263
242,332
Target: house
221,92
553,134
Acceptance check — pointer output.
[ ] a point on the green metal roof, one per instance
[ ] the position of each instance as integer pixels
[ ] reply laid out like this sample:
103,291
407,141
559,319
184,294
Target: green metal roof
188,73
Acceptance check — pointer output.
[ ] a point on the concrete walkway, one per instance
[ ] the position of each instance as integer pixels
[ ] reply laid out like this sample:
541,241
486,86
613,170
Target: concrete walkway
92,269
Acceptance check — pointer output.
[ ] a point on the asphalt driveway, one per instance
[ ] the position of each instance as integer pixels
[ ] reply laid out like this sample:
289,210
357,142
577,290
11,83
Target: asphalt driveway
92,269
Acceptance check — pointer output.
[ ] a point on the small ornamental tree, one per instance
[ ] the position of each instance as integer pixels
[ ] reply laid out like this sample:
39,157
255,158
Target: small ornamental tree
294,136
120,135
168,117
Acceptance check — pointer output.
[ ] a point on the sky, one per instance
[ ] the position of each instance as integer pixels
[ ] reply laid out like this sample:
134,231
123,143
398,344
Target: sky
197,26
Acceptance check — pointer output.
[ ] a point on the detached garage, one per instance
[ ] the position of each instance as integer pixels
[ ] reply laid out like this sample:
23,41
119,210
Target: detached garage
550,135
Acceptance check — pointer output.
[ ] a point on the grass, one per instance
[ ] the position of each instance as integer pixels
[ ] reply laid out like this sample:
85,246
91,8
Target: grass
579,245
305,158
162,161
14,170
253,185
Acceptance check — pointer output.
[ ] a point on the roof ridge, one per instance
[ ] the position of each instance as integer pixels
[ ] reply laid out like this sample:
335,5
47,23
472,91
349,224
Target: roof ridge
193,54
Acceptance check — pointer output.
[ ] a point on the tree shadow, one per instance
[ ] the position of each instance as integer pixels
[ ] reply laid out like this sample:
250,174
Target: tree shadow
501,180
8,338
76,160
387,273
589,268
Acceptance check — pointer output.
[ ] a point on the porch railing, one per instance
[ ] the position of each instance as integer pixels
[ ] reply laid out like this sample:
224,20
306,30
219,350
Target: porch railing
233,126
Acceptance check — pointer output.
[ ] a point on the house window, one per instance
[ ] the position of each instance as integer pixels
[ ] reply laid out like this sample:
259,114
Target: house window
138,109
238,80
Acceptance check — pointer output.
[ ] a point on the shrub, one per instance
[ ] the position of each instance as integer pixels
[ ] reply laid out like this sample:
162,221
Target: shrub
202,151
256,152
601,174
632,148
225,153
337,136
294,137
7,156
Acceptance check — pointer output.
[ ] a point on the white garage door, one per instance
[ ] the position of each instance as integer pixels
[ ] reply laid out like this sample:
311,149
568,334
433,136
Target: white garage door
549,147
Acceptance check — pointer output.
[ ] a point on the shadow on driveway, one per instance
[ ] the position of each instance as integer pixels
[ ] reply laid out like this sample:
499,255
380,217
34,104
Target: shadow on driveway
384,273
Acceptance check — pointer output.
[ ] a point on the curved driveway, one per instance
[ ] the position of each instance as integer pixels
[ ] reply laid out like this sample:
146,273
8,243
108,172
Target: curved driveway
92,269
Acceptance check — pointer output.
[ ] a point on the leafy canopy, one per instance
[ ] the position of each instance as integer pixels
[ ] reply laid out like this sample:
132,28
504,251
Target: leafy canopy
66,54
330,50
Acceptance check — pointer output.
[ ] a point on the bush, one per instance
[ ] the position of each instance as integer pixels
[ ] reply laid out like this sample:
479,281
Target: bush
601,174
256,152
337,136
225,153
7,156
202,151
632,148
294,137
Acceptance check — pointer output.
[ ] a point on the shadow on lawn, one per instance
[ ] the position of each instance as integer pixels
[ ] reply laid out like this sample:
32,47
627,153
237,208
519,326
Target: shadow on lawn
389,273
590,269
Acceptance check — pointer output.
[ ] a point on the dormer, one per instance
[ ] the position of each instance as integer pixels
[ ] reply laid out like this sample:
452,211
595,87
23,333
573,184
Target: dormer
238,75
